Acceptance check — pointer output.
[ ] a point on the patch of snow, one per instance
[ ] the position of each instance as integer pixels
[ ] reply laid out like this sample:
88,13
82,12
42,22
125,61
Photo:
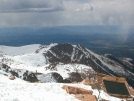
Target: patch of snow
64,70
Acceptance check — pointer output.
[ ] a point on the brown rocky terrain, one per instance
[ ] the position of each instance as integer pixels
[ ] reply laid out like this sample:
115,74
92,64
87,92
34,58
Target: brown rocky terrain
80,93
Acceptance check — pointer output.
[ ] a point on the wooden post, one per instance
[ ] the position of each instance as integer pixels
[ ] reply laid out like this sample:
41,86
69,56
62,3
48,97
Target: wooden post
36,72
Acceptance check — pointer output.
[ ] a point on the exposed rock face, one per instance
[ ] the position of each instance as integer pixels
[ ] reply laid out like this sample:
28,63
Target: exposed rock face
75,77
61,53
76,90
66,53
29,77
57,77
80,93
86,97
23,74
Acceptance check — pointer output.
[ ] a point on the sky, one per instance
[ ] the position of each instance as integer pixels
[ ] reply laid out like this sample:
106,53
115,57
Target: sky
23,13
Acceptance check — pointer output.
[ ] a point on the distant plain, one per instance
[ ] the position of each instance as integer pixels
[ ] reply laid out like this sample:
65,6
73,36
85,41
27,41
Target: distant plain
101,40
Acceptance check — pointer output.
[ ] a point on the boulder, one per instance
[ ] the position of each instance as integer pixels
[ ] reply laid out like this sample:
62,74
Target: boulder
74,82
12,77
29,76
66,81
86,81
75,77
76,90
86,97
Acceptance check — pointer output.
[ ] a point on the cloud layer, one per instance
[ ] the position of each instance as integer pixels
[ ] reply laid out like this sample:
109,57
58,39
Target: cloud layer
66,12
18,6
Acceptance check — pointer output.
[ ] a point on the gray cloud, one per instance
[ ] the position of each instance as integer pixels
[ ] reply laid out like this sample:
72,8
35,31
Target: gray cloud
13,6
66,12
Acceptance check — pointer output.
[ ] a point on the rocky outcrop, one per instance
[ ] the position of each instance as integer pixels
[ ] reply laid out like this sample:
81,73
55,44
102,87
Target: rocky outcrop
29,76
60,53
80,93
76,90
75,77
23,74
86,97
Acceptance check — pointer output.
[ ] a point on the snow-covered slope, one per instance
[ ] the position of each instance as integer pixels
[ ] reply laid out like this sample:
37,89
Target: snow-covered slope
32,60
44,58
25,56
18,90
13,51
67,53
4,79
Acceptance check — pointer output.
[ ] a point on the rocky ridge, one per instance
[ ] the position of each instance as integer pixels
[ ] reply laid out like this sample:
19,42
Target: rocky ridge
108,64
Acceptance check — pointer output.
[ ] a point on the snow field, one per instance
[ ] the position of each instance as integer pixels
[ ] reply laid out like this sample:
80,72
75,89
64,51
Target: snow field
19,90
34,92
26,58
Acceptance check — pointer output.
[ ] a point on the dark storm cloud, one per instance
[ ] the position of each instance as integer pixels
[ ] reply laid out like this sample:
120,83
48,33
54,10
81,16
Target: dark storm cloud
13,6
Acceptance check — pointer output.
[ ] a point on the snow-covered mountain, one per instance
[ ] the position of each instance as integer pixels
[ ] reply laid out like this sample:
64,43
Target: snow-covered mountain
64,59
108,64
